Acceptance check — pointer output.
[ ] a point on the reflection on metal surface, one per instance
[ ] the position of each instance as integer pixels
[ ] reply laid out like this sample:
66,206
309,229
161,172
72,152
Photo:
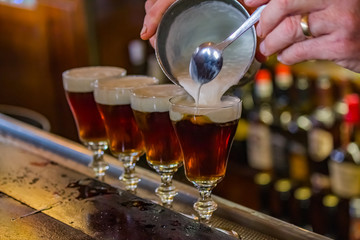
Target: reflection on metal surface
38,169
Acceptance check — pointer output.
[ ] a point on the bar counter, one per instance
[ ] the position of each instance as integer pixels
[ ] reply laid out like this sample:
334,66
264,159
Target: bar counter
48,192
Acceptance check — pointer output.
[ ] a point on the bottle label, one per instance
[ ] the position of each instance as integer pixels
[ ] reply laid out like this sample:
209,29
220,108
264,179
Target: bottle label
320,144
345,179
299,169
259,147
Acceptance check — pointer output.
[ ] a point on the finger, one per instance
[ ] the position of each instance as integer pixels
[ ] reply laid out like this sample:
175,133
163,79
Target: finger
149,4
289,31
278,10
325,47
152,41
255,3
260,57
153,17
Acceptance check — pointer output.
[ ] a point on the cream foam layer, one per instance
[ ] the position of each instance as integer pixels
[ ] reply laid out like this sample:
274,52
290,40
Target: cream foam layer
154,98
82,79
116,91
228,109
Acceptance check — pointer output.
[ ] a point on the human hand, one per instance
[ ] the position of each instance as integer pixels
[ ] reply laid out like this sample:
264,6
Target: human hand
154,10
334,25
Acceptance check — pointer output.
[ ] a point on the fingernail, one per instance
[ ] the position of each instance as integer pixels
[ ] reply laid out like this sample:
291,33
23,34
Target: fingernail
143,30
262,48
279,58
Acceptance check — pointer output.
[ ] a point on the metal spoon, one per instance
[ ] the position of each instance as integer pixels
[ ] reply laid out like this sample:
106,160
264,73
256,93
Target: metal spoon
206,62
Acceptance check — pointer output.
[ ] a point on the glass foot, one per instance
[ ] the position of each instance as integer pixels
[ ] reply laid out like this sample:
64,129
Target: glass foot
129,177
205,206
99,168
166,191
98,164
131,181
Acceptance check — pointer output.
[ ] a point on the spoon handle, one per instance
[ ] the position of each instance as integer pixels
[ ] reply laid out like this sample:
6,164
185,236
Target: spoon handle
255,16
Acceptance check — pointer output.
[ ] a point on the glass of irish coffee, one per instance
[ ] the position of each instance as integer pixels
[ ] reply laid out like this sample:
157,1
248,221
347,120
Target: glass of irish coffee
205,134
79,86
112,97
163,153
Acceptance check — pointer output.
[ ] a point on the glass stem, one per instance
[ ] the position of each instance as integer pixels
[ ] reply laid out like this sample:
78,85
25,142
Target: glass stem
129,177
205,206
98,164
166,191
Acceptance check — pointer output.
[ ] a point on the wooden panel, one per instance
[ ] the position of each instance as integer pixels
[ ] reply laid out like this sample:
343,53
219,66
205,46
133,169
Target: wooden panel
36,46
117,23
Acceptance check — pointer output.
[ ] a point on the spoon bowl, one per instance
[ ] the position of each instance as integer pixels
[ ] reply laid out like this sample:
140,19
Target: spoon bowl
205,63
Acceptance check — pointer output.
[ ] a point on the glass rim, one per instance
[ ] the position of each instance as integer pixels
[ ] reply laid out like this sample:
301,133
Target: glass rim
219,106
97,83
121,72
155,95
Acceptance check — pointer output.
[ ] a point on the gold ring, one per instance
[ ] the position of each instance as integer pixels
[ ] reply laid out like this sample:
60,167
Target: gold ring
304,23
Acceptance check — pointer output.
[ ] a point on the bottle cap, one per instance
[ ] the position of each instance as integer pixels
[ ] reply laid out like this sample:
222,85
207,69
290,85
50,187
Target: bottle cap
283,76
330,201
302,193
352,102
262,179
283,185
282,69
263,75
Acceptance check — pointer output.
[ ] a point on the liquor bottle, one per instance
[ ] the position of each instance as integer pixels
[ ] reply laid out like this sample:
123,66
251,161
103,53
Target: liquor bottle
303,103
264,184
330,206
302,207
354,212
298,128
299,171
323,137
238,153
260,120
344,88
282,118
282,199
344,166
283,86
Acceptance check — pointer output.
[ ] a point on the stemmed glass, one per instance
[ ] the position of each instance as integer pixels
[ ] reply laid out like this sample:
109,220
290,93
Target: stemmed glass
205,134
163,153
112,97
78,84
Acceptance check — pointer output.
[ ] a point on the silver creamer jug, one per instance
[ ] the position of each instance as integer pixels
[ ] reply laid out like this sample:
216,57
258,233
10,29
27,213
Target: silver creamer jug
188,23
